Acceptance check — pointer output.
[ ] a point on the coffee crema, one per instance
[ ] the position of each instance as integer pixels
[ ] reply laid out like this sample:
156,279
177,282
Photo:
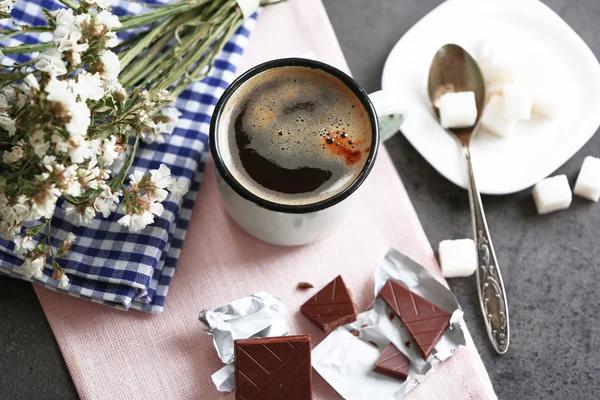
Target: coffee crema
294,135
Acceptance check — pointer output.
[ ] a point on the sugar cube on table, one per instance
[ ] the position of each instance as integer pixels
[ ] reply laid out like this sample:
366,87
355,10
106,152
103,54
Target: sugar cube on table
588,181
458,258
493,118
518,102
457,109
552,194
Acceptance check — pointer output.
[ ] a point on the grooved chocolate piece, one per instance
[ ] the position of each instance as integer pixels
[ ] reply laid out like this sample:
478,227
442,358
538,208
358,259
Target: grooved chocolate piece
425,321
331,307
276,368
392,363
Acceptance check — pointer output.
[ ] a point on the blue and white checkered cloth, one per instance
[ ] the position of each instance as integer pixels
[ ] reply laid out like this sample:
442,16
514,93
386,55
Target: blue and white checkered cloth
107,263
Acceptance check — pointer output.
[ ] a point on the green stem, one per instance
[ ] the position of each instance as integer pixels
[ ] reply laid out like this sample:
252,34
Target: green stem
28,48
70,4
24,29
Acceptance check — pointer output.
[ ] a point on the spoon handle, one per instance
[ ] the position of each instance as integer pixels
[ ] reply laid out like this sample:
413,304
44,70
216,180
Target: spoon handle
490,287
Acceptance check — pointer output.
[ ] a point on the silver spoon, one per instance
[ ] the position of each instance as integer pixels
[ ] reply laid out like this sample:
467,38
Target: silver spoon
454,70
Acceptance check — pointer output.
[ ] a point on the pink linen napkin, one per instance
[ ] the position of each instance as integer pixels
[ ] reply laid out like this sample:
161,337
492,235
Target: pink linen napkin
117,355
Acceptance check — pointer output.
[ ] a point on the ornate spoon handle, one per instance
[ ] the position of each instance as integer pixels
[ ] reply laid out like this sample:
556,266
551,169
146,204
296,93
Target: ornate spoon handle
490,287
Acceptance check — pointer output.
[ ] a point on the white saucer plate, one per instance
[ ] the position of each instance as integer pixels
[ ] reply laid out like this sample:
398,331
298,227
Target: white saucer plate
539,146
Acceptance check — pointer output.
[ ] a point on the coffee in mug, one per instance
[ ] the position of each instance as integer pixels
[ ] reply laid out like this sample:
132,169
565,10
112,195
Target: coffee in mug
295,135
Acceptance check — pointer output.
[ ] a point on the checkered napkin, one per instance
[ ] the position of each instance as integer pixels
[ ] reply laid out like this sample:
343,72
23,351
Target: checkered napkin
107,263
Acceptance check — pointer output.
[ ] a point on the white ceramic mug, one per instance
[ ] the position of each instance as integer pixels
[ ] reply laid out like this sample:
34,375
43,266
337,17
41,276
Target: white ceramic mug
285,224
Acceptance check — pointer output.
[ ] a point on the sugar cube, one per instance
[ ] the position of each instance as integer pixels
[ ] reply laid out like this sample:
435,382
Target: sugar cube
504,67
518,102
457,109
486,71
588,181
493,118
552,194
458,258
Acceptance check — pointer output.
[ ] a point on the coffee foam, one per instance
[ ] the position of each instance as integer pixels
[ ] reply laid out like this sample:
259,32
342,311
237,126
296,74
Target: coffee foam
297,117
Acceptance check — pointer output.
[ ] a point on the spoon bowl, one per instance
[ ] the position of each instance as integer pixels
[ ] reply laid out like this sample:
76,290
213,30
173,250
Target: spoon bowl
453,69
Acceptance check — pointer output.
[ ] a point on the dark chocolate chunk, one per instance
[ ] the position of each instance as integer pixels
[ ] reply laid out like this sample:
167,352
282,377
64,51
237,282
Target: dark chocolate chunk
273,368
304,285
392,363
407,343
332,307
424,320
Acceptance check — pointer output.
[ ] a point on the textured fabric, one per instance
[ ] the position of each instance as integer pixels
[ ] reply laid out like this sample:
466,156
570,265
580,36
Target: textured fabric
107,263
113,355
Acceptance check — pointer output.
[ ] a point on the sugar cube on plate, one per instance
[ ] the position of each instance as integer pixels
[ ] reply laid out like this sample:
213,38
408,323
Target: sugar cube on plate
588,181
457,109
458,258
493,118
504,67
552,194
518,102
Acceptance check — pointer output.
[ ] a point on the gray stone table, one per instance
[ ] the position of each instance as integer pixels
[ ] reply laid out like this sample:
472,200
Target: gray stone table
550,263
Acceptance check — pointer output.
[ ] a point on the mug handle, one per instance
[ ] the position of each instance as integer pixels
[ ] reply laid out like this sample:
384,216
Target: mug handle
389,111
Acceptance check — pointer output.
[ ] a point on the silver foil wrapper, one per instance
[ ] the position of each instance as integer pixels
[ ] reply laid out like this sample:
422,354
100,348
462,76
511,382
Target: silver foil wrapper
258,315
346,361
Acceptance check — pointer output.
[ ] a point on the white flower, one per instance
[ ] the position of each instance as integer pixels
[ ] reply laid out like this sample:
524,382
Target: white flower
31,82
178,188
51,62
39,144
107,19
111,39
80,119
63,282
23,244
59,91
44,202
82,20
159,179
137,222
32,268
70,238
79,215
88,86
14,155
6,6
99,3
70,43
106,202
173,114
109,152
4,101
119,163
60,145
112,67
136,178
8,124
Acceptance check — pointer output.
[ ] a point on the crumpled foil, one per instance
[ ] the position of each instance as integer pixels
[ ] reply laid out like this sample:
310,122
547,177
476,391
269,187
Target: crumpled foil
255,316
346,361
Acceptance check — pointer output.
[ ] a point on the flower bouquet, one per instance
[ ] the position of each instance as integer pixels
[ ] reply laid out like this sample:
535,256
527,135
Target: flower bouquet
75,109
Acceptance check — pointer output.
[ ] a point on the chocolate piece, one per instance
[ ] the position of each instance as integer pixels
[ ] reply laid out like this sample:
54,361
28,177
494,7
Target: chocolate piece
425,321
273,368
355,332
304,285
363,326
331,307
392,363
407,343
373,343
391,316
